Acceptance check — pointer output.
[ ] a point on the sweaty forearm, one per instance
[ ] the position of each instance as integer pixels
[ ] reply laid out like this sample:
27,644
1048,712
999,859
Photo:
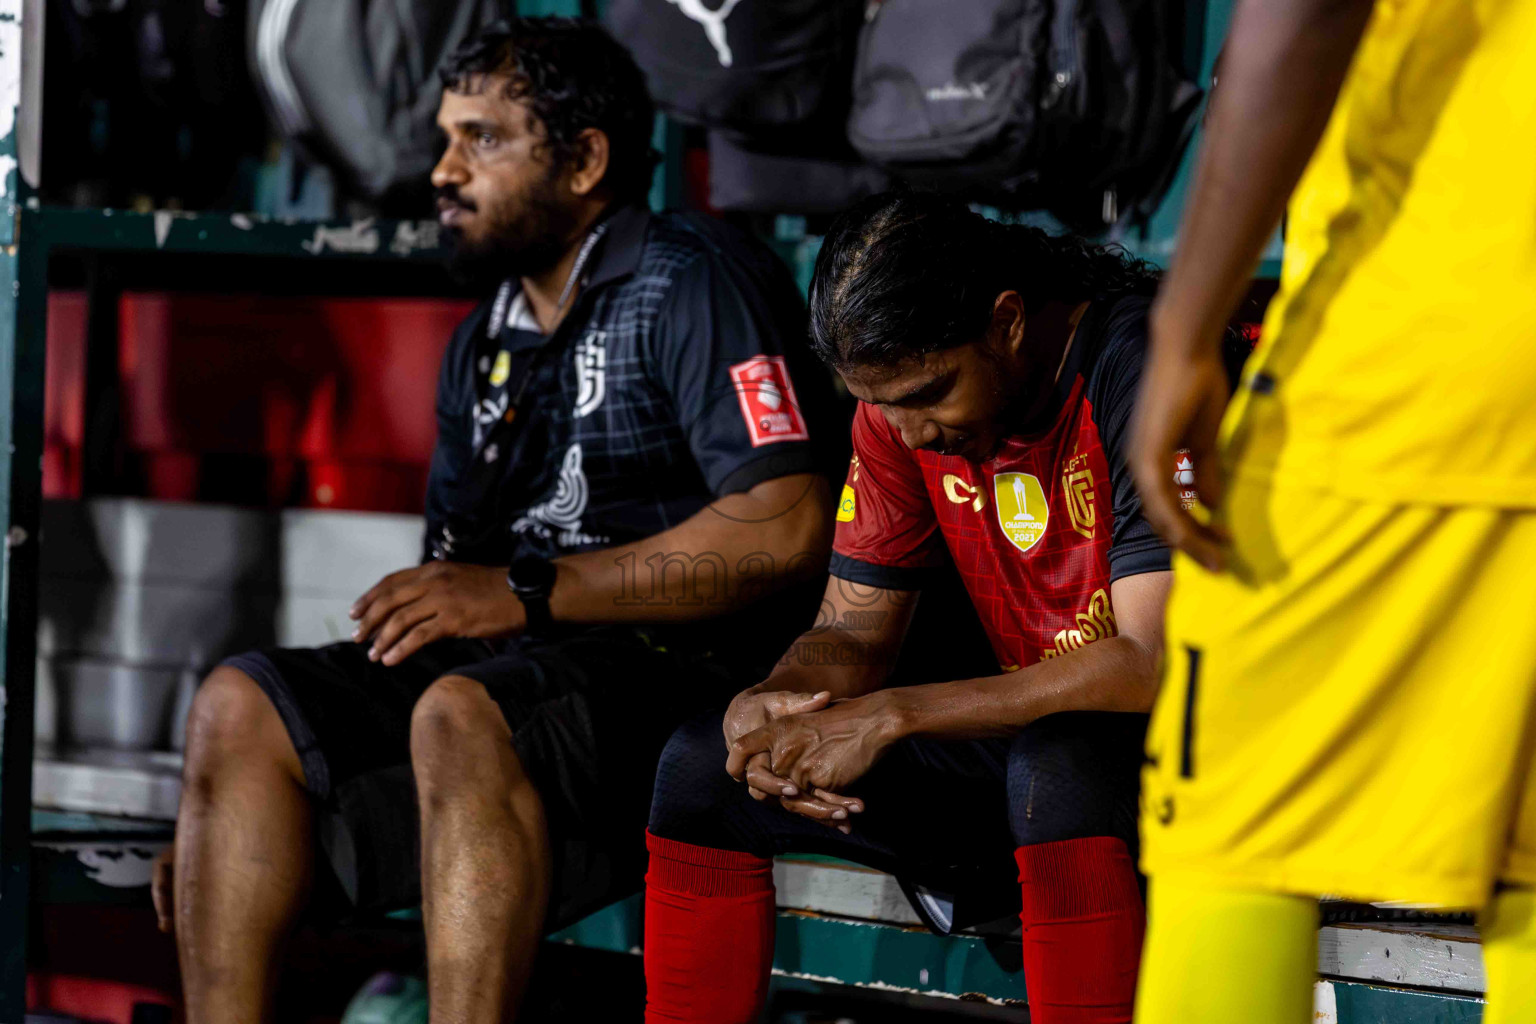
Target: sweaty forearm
1280,75
726,556
839,661
1117,673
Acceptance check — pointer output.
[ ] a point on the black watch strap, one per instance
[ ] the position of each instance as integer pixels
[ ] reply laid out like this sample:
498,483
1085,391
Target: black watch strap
532,578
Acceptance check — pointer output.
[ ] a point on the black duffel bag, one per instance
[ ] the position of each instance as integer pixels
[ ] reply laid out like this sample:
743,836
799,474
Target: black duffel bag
1077,106
774,71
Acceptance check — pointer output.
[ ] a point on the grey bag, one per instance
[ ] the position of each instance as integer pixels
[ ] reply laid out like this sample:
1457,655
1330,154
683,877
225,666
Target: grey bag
946,93
354,82
1076,106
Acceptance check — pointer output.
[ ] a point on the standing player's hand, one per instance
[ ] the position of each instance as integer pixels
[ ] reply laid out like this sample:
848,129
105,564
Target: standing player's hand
1183,396
409,609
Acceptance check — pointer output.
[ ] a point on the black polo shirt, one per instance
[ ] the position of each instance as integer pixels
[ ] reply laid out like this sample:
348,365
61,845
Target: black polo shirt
680,375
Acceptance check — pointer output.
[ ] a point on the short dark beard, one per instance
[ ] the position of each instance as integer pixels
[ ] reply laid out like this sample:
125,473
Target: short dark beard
532,240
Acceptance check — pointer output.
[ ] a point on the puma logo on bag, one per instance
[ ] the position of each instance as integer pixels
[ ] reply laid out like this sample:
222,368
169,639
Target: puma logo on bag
713,22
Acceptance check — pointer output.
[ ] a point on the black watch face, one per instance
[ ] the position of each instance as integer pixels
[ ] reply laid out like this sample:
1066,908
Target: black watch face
531,576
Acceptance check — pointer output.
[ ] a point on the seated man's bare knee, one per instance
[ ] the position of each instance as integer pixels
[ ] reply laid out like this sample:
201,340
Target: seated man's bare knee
232,724
454,721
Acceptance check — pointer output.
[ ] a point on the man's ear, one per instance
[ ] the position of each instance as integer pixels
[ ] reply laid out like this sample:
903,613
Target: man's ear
591,162
1006,331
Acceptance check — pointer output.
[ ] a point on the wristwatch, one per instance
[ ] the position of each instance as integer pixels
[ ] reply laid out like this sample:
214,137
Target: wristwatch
531,578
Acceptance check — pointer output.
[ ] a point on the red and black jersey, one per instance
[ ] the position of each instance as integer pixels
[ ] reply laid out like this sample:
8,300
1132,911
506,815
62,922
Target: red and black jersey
1039,531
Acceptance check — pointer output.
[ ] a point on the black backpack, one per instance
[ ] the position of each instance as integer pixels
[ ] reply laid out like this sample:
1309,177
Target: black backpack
776,71
354,82
1076,106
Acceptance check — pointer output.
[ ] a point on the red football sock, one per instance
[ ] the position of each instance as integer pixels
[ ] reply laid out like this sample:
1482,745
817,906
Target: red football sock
1083,921
708,934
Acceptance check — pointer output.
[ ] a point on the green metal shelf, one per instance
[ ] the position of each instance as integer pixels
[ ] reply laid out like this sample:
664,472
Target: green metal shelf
237,234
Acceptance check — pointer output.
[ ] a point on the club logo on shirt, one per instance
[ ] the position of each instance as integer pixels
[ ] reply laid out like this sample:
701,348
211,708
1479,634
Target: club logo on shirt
963,493
768,403
1081,505
845,505
1021,508
591,372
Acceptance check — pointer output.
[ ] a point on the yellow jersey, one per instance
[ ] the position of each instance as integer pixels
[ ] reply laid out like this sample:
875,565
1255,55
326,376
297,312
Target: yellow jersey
1398,361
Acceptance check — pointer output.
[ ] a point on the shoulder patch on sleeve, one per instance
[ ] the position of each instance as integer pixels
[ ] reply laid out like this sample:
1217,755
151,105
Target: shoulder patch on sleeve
846,504
768,402
1184,476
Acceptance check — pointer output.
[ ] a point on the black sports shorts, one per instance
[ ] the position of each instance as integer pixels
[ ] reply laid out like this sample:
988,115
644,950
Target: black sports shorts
943,816
589,714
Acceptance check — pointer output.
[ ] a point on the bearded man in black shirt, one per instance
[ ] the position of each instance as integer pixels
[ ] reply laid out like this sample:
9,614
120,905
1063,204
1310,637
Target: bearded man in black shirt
626,424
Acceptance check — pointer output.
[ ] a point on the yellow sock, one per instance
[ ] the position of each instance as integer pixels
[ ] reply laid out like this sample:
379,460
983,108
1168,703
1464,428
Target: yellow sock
1215,956
1508,925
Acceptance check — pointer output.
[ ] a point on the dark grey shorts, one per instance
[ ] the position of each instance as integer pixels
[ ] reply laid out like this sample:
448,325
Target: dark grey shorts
589,714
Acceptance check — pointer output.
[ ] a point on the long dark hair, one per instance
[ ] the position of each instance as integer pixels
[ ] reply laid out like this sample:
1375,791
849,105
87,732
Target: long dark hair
905,273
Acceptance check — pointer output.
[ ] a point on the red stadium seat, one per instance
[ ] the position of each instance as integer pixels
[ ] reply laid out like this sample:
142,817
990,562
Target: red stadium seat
327,402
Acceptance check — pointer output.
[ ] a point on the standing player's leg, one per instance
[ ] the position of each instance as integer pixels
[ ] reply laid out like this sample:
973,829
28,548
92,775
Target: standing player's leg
1215,956
1072,784
1508,925
244,851
1285,749
485,853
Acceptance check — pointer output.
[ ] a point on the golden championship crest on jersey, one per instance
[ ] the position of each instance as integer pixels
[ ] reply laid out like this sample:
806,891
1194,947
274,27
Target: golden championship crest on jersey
1021,508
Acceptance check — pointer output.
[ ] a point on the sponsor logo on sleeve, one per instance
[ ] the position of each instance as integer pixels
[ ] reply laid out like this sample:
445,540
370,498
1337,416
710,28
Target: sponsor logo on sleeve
846,504
768,403
1184,477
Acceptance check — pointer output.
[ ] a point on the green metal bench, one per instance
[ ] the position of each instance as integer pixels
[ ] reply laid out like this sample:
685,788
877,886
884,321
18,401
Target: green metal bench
843,925
846,927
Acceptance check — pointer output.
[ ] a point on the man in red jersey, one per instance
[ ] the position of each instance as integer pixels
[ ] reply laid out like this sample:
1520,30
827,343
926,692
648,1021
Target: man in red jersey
996,368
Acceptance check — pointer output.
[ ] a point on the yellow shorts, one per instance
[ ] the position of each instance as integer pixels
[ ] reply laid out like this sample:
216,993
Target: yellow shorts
1351,709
